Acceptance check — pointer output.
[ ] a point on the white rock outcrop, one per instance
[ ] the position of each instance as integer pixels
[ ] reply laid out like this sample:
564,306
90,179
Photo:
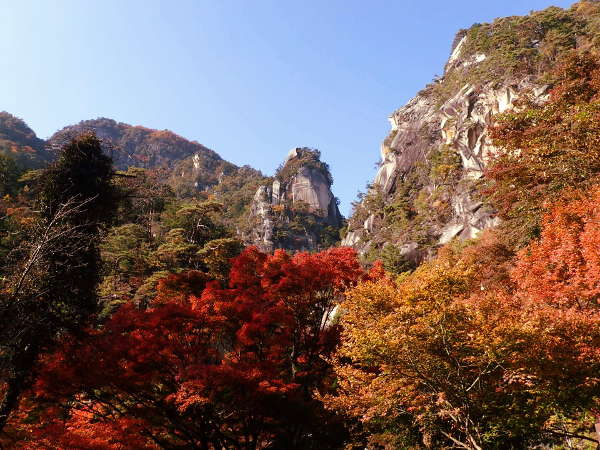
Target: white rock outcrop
311,187
307,186
461,123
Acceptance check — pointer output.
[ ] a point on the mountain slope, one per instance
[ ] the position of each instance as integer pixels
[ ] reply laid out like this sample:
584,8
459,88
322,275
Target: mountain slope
428,189
187,166
138,146
20,142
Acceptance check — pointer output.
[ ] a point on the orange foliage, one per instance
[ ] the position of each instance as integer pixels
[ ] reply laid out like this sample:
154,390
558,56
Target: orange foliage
547,146
478,347
562,269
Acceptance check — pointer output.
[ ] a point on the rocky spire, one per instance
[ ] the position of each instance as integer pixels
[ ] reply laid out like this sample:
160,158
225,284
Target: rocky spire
296,210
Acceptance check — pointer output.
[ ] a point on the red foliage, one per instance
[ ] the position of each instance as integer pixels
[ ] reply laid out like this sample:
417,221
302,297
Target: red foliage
209,367
178,288
547,147
563,268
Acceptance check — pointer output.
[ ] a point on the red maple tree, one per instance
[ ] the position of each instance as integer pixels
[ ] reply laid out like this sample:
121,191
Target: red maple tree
206,366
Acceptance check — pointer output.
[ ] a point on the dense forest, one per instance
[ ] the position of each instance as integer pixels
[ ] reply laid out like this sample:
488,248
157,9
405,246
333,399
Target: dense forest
136,314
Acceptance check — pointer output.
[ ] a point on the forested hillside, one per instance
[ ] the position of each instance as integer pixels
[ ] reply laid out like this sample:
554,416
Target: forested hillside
462,312
20,145
138,146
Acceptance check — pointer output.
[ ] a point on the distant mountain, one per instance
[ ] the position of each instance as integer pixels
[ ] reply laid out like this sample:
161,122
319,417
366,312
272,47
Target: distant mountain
20,142
188,167
300,212
138,146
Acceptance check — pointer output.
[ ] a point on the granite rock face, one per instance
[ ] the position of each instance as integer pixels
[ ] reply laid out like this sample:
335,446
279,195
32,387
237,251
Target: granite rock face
296,207
310,186
460,125
260,213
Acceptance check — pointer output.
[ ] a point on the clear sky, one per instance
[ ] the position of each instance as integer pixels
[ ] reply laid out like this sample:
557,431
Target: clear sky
248,78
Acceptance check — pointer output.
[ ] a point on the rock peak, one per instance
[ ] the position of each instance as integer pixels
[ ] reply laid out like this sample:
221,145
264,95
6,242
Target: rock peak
299,194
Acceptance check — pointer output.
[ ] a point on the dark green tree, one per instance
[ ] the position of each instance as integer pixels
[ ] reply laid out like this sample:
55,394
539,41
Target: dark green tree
53,289
9,175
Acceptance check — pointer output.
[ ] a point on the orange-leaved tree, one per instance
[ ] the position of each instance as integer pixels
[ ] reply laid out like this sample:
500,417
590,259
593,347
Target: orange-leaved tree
558,287
477,351
546,146
411,365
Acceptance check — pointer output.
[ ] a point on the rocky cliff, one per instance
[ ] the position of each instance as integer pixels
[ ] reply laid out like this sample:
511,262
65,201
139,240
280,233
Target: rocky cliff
427,190
295,210
438,154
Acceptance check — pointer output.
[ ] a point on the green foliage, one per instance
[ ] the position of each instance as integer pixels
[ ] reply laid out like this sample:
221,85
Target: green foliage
418,206
147,291
126,249
80,174
305,157
394,261
157,235
199,221
330,236
199,173
188,234
176,250
235,192
371,201
400,211
445,166
295,226
216,256
520,46
9,176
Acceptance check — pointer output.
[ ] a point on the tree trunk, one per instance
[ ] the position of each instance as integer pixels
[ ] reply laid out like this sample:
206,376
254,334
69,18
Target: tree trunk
16,383
11,397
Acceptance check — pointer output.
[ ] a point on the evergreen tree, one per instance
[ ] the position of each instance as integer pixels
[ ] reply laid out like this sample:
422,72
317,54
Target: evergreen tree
53,289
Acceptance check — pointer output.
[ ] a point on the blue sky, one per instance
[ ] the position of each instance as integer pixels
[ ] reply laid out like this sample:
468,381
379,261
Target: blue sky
249,79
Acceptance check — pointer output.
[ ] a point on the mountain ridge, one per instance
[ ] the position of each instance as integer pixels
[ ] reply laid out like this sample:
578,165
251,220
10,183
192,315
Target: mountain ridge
192,170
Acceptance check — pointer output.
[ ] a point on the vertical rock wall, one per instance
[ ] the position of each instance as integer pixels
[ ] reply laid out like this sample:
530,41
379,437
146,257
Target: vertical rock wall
459,124
292,210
